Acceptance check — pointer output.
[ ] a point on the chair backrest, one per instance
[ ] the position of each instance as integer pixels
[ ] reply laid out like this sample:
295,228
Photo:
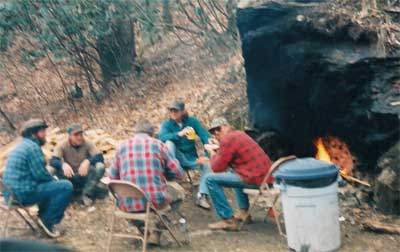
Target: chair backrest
125,189
275,166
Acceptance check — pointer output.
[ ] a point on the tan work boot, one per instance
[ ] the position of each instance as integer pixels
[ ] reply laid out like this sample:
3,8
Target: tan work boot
227,225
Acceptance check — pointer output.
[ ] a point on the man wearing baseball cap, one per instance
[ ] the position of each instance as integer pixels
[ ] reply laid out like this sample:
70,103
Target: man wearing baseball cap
238,163
79,161
178,132
27,177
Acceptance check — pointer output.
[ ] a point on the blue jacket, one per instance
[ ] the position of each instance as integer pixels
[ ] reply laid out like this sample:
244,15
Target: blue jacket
170,129
25,169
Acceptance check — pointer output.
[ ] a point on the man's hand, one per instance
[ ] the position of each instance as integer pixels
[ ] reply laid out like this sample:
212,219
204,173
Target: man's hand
213,141
211,152
183,132
202,160
67,169
84,168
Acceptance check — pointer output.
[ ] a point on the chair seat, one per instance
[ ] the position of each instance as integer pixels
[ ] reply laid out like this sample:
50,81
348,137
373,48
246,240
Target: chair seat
265,193
130,216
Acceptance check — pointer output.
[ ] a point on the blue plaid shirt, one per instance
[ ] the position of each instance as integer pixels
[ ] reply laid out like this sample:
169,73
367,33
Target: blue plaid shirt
25,169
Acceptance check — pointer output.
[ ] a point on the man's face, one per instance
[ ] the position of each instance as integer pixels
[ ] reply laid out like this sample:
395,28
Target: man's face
41,136
175,115
221,131
76,138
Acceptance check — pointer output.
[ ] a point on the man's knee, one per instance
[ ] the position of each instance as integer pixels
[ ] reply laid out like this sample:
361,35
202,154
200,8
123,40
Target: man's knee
65,186
209,179
171,145
100,168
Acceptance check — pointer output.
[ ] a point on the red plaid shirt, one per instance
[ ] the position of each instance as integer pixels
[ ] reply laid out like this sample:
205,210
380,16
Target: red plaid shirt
144,161
238,151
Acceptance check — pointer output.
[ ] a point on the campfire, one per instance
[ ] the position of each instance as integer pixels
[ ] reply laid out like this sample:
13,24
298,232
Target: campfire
333,150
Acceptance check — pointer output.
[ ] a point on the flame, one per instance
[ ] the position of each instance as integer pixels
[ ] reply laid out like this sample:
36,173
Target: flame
322,154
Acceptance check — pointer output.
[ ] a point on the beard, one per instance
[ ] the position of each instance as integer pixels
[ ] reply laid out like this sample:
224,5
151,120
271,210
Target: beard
42,140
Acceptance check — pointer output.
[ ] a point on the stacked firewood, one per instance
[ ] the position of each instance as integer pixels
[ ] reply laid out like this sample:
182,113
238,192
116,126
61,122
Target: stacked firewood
104,142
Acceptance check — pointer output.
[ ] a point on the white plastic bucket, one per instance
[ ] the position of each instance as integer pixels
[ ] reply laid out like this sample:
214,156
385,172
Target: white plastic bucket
311,217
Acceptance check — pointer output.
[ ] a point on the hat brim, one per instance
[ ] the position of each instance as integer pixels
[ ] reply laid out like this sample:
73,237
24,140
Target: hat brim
76,131
213,128
173,107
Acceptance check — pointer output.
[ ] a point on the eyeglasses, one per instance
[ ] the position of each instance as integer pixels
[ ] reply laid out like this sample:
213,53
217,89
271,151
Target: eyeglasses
173,110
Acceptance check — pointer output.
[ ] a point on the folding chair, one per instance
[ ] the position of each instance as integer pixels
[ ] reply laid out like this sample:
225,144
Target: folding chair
14,206
265,192
127,189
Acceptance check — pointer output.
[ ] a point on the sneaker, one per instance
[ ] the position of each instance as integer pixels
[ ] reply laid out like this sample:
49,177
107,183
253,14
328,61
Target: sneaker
243,216
203,202
227,225
49,231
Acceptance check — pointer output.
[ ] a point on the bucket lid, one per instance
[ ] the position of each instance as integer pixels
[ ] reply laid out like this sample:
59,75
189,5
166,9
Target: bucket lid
305,169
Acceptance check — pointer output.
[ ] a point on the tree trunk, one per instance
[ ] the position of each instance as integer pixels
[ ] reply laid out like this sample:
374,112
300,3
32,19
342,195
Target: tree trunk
7,119
117,50
167,16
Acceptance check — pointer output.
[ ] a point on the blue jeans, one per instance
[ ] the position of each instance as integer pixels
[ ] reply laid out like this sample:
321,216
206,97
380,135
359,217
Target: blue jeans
216,183
53,198
188,162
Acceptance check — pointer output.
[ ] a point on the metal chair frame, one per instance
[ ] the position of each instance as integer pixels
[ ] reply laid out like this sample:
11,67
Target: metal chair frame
266,192
127,189
14,205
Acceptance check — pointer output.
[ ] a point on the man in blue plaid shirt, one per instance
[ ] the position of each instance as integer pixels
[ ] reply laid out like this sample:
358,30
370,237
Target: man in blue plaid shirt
27,177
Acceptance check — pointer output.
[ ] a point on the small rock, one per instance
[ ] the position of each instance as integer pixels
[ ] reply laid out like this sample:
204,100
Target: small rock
91,209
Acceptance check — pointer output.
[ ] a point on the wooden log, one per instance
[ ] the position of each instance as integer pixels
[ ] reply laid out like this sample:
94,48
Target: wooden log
377,226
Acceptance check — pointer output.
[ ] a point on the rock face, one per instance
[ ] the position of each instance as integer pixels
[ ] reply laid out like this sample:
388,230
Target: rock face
313,72
387,189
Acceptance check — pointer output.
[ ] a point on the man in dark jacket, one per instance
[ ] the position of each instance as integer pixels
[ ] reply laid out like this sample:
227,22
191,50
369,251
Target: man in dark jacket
79,161
178,133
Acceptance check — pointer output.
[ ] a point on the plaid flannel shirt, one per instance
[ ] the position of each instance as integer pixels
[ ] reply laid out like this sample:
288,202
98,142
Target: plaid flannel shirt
146,162
240,152
26,169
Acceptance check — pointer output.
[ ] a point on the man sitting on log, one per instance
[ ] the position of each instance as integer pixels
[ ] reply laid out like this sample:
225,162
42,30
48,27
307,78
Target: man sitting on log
31,183
148,163
238,162
179,133
79,161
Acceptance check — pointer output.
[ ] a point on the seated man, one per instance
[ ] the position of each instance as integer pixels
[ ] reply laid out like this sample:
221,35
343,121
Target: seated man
147,162
176,133
27,177
78,160
239,163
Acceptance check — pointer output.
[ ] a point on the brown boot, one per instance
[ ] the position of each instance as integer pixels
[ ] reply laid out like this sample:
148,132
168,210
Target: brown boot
227,225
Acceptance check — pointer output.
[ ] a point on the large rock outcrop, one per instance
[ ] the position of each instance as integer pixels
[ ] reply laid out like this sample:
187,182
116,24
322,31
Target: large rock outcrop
318,70
387,189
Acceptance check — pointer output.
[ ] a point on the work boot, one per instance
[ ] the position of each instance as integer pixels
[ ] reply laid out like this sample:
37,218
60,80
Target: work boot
227,225
203,202
50,232
243,216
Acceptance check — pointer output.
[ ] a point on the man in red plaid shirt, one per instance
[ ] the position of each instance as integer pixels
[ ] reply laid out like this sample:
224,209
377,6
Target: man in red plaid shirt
238,162
148,163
